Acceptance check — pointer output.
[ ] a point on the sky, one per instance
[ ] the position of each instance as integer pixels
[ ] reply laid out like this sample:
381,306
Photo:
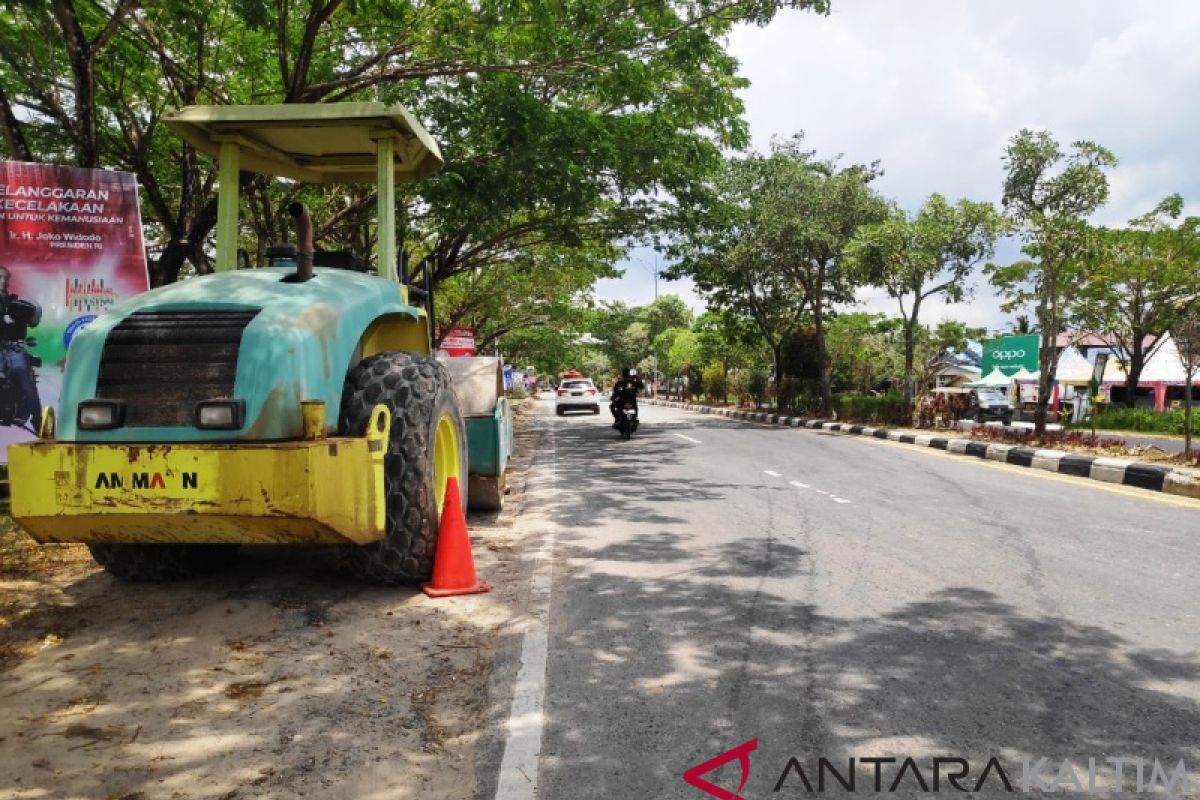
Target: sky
934,89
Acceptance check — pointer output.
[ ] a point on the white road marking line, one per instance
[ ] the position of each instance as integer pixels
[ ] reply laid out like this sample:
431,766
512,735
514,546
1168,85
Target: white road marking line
772,473
840,500
518,778
799,485
688,438
822,491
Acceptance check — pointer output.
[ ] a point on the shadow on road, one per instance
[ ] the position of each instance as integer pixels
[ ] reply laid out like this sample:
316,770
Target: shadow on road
660,673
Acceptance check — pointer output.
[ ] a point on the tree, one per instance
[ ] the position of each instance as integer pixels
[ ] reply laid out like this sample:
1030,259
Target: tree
1186,332
770,240
544,286
810,211
932,346
1047,195
55,49
721,246
1020,325
683,358
863,350
1140,280
924,255
728,339
665,312
623,336
561,122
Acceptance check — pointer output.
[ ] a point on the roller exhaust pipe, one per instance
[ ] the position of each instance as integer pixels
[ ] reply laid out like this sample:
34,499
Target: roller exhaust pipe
304,241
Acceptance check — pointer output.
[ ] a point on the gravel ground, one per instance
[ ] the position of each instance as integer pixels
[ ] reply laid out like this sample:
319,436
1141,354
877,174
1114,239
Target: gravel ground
277,678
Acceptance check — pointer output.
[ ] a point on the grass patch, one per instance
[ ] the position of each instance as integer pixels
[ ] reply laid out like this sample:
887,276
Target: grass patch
1141,420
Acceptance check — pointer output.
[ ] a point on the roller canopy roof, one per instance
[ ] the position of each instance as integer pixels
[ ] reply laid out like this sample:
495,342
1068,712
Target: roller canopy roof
314,142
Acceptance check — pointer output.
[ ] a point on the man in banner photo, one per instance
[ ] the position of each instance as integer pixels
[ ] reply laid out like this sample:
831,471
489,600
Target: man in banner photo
70,249
19,401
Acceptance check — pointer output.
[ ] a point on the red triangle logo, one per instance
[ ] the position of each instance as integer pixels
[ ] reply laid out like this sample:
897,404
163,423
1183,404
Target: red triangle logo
741,753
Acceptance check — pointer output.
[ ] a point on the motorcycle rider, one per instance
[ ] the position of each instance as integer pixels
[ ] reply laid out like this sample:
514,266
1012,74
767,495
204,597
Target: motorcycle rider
16,364
624,391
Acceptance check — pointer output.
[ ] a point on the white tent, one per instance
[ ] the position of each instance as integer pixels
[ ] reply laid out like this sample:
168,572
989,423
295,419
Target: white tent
993,380
1073,368
1024,376
1164,365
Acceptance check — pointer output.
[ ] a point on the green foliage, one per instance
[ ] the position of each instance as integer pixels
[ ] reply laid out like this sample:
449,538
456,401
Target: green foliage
716,383
1144,420
665,312
539,287
887,409
767,241
1140,282
919,257
683,356
866,350
561,122
756,386
730,339
1048,194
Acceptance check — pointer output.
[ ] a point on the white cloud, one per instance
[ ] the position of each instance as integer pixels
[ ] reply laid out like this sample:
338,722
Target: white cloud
935,88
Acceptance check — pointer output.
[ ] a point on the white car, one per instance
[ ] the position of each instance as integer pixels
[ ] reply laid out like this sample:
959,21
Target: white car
576,394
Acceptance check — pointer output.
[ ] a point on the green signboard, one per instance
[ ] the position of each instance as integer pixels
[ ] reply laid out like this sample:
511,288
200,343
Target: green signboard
1010,353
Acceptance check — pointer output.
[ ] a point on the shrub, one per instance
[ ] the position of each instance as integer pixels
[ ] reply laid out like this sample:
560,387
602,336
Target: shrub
1025,437
940,410
1140,419
756,386
790,391
716,383
888,409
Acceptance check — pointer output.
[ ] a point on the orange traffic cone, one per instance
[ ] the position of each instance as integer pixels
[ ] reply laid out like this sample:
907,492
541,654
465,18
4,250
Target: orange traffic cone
453,564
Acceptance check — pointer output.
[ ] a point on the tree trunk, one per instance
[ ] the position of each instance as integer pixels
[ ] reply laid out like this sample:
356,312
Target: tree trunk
1187,416
1137,361
14,135
909,346
1045,378
777,353
823,361
190,247
166,269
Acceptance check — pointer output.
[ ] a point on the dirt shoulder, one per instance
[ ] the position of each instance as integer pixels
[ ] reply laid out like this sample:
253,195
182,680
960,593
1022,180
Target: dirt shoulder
277,678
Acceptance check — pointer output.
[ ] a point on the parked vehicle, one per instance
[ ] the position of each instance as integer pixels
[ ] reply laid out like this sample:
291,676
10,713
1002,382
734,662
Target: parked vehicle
981,405
989,405
577,394
299,403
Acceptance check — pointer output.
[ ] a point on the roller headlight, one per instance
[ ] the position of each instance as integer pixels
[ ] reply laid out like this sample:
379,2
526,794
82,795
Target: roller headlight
100,415
220,415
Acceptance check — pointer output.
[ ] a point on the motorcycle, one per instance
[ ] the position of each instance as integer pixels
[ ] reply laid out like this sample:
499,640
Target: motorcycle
20,405
627,420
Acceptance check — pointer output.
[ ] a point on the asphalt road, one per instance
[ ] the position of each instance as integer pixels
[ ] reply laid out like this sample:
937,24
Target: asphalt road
716,582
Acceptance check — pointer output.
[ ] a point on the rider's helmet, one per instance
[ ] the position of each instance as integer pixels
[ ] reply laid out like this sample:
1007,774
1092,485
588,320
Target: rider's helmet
629,372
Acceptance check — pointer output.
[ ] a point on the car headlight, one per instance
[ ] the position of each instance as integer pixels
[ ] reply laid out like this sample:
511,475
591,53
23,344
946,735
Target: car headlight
220,415
100,415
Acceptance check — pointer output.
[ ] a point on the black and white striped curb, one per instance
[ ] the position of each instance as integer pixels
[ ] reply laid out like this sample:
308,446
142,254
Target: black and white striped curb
1127,472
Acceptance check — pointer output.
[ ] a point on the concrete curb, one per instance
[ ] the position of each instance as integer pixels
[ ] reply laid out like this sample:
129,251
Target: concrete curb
1154,477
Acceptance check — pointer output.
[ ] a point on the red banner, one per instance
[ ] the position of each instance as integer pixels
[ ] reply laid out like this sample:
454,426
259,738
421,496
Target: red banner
70,249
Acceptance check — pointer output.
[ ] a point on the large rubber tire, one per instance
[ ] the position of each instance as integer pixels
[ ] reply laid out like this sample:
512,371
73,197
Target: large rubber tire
161,562
417,391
